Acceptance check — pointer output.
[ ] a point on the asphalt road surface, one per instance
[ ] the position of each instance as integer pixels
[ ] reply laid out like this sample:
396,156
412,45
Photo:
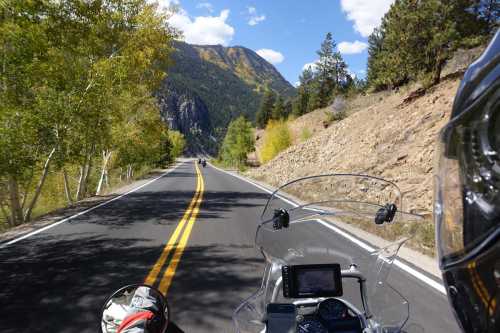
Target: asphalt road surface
189,233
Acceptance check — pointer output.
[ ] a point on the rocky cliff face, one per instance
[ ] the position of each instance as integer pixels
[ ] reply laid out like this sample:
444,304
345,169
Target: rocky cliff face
185,112
208,86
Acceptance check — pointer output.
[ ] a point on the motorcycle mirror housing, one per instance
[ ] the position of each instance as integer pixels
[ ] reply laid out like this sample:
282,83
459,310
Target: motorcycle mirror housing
135,306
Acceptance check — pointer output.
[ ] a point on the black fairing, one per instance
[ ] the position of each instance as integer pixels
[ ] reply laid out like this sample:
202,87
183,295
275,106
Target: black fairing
473,291
473,282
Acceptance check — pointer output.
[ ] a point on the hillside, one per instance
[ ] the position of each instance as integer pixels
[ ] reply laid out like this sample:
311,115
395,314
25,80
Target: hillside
386,139
208,86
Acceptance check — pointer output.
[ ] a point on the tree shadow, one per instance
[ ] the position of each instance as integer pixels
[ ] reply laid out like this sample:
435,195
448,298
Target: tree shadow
211,282
62,285
58,280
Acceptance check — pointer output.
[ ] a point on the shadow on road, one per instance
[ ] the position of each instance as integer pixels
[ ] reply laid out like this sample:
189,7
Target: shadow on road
61,286
58,281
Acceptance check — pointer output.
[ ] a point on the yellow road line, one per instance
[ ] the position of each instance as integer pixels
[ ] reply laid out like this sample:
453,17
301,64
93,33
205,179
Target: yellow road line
170,271
151,278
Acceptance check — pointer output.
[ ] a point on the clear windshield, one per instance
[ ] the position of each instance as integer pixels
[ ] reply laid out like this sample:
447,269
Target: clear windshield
321,209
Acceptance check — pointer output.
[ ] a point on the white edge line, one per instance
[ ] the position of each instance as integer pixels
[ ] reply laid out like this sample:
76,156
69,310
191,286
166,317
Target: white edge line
15,240
256,185
422,277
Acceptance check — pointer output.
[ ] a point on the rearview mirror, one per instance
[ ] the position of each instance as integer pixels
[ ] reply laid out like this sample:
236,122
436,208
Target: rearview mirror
135,306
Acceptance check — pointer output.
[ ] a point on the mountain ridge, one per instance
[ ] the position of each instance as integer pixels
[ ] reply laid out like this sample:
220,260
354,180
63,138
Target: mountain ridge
214,84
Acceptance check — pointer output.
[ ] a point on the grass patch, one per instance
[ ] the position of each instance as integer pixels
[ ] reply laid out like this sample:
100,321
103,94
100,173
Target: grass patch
305,134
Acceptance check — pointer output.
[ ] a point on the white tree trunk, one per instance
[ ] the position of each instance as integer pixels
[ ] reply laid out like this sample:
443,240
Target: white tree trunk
106,154
67,189
129,172
15,204
38,190
80,180
84,175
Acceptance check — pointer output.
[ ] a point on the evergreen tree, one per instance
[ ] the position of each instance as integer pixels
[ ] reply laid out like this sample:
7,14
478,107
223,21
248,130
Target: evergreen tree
288,108
301,103
374,71
332,71
278,111
417,37
266,108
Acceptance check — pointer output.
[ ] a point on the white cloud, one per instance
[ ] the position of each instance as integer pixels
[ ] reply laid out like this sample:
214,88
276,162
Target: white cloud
312,65
204,30
254,18
274,57
352,47
205,5
366,14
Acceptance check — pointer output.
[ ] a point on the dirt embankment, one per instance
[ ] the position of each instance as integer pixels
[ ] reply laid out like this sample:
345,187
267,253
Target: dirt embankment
390,140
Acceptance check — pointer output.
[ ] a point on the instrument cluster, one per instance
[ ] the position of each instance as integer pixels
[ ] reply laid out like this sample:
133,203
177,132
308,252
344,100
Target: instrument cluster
331,315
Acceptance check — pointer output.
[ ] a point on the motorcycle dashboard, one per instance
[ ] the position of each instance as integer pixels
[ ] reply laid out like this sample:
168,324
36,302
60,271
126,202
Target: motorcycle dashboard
329,316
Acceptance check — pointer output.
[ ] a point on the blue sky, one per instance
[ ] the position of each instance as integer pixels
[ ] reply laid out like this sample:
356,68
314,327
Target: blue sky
285,32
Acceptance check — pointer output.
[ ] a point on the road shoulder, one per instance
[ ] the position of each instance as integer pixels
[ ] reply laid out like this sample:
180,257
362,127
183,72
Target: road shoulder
410,257
80,207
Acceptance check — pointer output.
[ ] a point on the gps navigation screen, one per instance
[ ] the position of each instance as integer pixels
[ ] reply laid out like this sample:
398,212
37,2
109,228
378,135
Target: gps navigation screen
318,280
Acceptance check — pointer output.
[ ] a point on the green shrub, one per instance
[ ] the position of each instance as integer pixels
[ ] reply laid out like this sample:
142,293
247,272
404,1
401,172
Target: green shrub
305,134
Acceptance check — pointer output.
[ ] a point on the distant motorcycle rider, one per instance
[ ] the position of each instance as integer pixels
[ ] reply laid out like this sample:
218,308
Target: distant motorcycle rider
467,197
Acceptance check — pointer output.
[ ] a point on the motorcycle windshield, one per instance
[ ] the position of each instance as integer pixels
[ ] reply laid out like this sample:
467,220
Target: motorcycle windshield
319,210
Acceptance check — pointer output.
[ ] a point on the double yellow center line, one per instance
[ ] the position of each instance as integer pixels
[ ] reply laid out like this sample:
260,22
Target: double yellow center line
174,243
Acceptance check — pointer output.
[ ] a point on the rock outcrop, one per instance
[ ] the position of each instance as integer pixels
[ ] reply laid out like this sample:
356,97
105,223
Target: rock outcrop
185,112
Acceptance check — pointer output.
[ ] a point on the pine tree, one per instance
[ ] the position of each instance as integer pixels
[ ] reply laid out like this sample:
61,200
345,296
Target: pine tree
332,71
266,108
278,111
374,70
326,70
416,38
288,108
301,103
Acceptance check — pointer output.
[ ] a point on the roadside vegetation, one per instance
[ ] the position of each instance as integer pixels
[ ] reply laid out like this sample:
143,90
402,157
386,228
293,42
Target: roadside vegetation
277,138
238,143
416,38
77,112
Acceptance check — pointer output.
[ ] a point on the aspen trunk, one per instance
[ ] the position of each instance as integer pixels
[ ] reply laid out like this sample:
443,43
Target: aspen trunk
84,175
38,190
106,154
79,187
15,205
129,172
67,189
